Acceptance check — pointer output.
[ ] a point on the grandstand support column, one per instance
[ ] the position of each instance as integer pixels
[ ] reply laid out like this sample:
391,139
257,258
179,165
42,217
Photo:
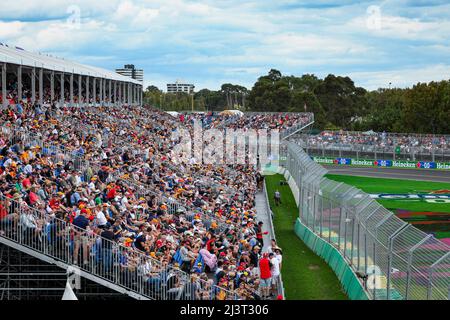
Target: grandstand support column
80,95
87,91
109,93
71,89
139,95
115,93
62,98
5,104
130,99
94,92
33,85
125,93
52,86
100,91
136,100
41,86
19,83
103,91
132,93
121,93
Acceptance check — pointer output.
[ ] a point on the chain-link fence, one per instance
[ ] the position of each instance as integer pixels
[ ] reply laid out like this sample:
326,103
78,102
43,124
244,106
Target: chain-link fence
434,153
393,259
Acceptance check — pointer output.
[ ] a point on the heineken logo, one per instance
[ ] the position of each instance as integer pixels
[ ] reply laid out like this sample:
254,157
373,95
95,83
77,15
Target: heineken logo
383,163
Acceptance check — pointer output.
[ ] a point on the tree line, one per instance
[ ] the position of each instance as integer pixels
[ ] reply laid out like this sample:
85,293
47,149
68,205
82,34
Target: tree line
335,100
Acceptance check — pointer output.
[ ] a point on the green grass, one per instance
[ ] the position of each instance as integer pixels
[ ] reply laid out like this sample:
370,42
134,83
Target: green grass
306,276
381,185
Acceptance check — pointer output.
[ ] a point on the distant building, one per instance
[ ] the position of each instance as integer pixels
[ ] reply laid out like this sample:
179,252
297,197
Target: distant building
129,70
180,87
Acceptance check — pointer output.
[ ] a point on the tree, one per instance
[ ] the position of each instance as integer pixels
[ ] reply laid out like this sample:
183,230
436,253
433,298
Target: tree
341,100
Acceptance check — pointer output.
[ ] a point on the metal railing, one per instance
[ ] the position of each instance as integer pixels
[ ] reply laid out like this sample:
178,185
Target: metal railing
400,261
110,261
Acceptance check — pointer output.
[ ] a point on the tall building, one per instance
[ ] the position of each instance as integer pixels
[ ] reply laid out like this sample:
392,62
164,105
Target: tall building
129,70
180,87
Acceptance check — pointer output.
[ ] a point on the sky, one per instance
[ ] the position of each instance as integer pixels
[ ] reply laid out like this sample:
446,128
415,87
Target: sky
211,42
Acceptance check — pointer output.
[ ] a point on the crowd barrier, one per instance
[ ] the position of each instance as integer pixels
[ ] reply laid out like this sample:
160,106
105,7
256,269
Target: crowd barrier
393,259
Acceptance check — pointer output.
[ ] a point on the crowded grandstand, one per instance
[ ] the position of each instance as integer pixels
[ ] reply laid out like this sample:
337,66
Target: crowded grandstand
90,180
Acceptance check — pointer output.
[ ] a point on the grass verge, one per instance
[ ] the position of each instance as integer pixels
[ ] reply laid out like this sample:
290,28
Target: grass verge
306,276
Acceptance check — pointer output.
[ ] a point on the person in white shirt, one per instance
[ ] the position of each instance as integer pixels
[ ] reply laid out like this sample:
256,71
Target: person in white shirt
274,270
101,219
28,169
279,256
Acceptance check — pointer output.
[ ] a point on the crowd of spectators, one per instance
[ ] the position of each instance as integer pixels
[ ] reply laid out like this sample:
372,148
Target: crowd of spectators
99,179
269,121
369,141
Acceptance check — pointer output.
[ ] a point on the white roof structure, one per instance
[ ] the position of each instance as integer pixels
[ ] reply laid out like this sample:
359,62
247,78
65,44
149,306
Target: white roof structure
29,59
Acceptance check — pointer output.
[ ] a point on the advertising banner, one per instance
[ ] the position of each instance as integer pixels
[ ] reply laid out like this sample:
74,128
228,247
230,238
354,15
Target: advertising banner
383,163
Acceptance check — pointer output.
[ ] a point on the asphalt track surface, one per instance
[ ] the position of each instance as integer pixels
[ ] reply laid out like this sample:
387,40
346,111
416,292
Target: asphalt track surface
392,173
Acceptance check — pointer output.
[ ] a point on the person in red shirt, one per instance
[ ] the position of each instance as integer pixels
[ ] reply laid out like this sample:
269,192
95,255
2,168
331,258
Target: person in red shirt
26,183
265,275
112,193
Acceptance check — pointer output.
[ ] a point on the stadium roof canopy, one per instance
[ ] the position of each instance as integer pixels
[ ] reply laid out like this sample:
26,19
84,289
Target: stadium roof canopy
21,57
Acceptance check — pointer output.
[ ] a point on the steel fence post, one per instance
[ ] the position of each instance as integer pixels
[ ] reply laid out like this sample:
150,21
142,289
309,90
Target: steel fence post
374,272
353,239
391,245
365,239
321,213
329,222
430,275
339,228
358,247
374,245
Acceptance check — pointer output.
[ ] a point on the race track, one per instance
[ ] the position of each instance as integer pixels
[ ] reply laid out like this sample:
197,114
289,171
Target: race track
392,173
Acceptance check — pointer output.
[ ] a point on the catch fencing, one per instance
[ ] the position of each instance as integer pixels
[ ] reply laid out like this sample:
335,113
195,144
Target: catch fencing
393,259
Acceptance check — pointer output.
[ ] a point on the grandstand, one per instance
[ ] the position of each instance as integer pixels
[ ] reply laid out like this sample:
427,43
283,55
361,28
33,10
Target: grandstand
46,79
88,185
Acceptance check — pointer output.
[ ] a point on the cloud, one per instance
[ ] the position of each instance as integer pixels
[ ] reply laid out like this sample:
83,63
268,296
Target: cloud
10,30
210,41
402,77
